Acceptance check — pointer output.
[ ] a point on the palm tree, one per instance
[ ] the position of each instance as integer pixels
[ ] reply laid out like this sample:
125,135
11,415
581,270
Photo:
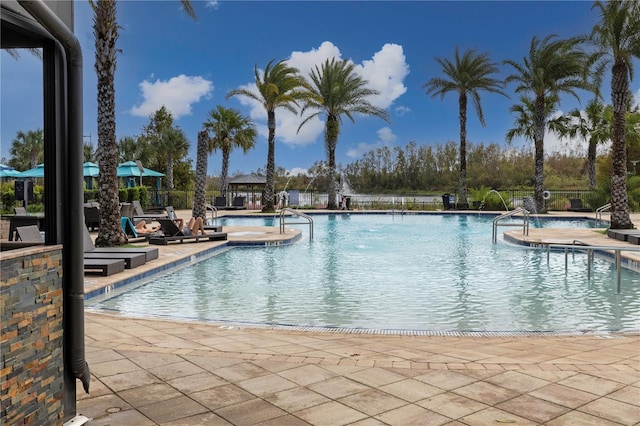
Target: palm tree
592,127
525,120
336,90
277,87
553,67
106,33
105,30
230,130
199,197
27,149
617,38
468,76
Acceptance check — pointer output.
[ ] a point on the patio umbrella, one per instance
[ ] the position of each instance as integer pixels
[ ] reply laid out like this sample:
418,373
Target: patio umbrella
130,168
7,171
36,172
90,169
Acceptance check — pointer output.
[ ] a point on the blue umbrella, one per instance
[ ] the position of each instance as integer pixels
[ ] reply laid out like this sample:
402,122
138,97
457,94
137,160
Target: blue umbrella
90,169
6,173
130,168
36,172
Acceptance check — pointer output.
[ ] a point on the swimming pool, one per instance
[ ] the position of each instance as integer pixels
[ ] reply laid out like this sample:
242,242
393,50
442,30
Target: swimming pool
384,272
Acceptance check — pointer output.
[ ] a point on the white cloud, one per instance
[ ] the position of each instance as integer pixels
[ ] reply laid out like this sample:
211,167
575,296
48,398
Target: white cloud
637,99
297,171
177,94
213,4
402,110
386,135
385,138
385,72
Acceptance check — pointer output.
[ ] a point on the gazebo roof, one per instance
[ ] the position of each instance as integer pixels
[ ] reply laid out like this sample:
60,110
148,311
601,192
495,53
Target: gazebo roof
248,180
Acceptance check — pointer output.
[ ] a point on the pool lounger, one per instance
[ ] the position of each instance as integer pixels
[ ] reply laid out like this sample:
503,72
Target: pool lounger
624,234
214,228
106,267
171,232
150,253
164,240
131,260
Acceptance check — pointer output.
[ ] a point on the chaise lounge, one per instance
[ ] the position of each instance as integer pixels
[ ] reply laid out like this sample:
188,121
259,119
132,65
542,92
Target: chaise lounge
150,253
171,233
104,267
576,206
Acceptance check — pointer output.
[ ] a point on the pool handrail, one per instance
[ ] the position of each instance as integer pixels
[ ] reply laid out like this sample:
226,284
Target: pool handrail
591,249
524,224
283,221
214,212
602,209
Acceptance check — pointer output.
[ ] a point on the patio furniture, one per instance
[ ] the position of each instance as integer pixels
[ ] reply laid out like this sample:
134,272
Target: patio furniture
576,206
91,216
171,233
149,253
139,214
24,220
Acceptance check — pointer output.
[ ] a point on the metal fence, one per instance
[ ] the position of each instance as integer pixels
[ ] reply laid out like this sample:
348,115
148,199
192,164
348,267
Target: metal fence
183,199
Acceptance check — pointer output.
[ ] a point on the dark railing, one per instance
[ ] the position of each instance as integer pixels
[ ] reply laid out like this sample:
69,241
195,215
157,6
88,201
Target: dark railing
183,199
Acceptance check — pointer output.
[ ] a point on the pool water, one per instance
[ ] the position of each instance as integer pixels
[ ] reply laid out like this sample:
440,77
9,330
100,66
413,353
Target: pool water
414,272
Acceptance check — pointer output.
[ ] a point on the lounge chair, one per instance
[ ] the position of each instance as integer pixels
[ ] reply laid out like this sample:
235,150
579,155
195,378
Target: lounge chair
220,202
171,233
106,267
238,203
139,214
91,216
131,259
576,206
126,210
29,234
149,253
623,234
20,211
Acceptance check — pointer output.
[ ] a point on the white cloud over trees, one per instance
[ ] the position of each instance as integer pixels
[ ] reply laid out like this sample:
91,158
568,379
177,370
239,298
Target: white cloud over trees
177,94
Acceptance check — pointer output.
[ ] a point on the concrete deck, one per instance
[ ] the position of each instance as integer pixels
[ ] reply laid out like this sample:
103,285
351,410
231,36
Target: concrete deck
161,372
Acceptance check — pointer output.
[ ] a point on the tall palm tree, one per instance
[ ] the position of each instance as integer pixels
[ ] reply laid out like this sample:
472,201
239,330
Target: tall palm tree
335,90
230,130
468,76
278,86
105,30
525,120
106,33
590,126
554,66
617,38
199,197
27,149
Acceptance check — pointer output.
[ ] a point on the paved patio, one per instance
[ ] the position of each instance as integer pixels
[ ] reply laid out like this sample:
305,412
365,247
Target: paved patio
162,372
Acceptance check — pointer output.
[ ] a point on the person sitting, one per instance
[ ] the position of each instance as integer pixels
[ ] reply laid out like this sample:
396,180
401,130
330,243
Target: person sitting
142,228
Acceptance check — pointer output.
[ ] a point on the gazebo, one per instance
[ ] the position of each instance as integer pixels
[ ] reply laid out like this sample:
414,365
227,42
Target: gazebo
247,184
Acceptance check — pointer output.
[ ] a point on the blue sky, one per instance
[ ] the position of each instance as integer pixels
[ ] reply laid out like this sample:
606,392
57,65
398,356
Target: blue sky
189,66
